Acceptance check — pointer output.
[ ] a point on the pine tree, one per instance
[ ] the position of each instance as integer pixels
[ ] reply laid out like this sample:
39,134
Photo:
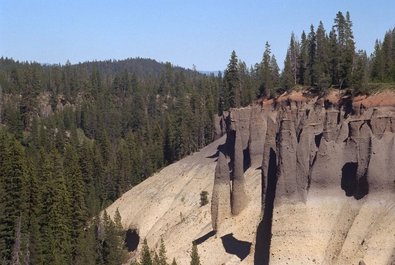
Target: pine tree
303,60
13,200
174,262
248,90
145,254
85,154
289,73
311,65
275,72
287,79
113,249
75,184
268,73
33,213
322,58
360,73
345,48
162,253
86,251
155,260
195,259
55,222
334,56
31,89
232,84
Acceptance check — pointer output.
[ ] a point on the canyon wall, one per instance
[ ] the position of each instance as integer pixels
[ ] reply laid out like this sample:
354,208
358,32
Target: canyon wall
309,148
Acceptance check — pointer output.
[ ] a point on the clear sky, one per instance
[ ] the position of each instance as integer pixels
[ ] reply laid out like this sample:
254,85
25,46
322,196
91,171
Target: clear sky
184,32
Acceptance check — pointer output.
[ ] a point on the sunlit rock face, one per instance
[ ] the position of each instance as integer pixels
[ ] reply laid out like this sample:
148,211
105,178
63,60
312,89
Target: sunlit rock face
334,167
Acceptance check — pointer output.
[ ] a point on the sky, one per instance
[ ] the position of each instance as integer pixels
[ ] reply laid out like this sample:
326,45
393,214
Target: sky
186,33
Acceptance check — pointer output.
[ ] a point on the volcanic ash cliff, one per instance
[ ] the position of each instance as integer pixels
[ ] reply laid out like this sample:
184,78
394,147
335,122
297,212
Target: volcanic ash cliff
327,178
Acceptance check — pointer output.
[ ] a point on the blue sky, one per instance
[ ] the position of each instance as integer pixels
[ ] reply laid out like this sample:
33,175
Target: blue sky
184,32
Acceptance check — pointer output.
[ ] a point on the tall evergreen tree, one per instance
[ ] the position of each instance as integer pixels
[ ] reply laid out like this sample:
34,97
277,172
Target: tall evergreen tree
232,85
145,254
345,48
113,250
162,253
75,185
322,58
195,259
289,73
13,200
360,75
303,60
55,220
311,65
268,73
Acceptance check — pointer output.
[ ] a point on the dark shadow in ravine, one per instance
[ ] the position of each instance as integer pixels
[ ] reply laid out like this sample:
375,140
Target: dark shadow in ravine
236,247
132,239
264,231
246,159
202,239
349,178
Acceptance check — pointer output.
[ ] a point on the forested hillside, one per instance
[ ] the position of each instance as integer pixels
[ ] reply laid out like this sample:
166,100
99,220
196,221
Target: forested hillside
74,137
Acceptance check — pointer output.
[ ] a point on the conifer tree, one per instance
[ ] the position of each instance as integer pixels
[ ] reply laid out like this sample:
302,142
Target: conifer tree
162,253
287,80
145,254
195,259
303,60
322,57
268,73
73,176
232,85
360,73
289,73
155,260
311,65
55,219
14,181
345,48
86,247
113,250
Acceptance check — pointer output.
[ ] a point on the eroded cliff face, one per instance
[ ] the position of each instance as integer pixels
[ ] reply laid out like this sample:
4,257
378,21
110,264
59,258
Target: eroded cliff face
296,180
308,149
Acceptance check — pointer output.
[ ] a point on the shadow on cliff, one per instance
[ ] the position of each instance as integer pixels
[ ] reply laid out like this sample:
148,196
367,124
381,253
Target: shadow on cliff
350,183
236,247
202,239
132,239
264,231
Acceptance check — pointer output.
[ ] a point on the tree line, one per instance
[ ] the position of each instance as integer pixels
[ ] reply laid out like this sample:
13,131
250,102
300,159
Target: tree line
75,137
319,60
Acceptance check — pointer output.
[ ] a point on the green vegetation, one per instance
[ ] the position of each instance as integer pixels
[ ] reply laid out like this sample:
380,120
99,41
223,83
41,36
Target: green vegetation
320,60
73,138
203,198
148,257
195,259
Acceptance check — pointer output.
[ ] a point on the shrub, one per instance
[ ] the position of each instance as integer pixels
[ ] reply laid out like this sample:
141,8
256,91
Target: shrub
203,198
